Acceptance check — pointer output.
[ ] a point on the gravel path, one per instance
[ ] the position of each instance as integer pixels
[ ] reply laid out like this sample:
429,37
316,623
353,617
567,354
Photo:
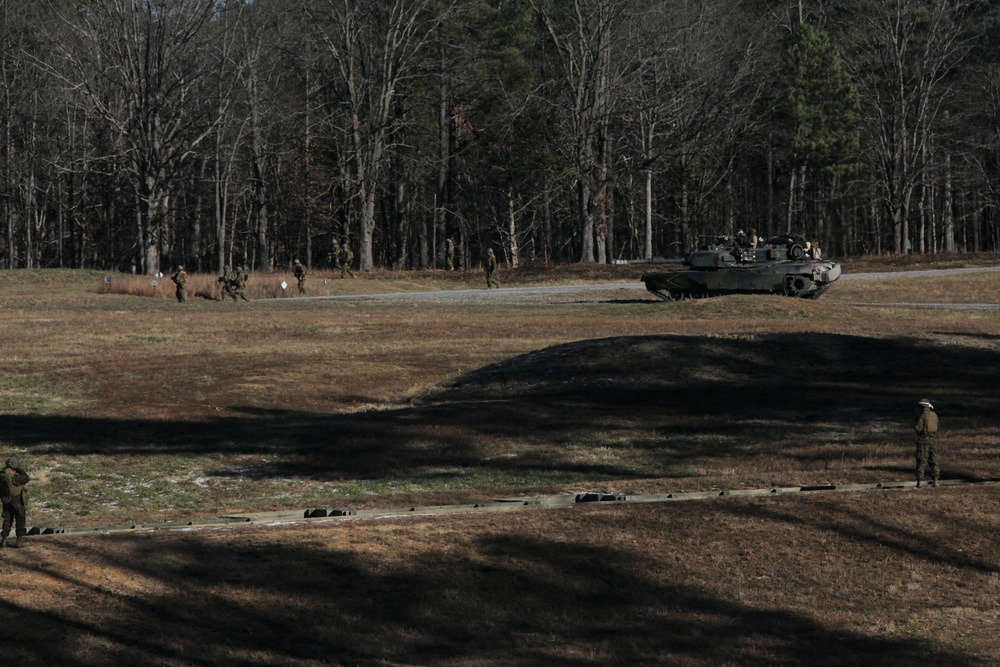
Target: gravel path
631,290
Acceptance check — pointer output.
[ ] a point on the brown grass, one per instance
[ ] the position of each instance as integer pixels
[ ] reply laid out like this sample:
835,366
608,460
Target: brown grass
139,410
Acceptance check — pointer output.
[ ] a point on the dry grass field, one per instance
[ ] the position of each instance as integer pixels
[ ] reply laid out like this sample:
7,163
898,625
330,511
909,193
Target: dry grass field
129,408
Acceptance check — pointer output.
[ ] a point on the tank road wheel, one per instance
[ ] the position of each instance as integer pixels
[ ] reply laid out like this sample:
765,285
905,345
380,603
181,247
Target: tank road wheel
797,285
675,295
796,251
697,294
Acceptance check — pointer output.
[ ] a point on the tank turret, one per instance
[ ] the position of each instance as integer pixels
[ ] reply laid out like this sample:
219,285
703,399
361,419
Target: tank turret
786,265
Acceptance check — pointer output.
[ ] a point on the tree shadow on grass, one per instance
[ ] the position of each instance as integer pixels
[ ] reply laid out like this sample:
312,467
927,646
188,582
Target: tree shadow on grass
695,395
512,600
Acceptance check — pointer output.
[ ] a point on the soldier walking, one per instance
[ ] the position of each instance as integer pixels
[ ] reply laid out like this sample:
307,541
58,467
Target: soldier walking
300,274
345,257
490,267
240,284
180,279
927,428
227,280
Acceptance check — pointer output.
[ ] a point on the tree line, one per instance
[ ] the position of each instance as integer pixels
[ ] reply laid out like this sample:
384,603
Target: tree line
139,135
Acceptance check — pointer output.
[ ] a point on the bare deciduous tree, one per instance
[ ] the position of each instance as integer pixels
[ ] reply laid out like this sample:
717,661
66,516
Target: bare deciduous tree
139,65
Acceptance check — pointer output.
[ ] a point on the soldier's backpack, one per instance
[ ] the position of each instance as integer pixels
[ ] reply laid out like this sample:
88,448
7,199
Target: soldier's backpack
10,491
931,422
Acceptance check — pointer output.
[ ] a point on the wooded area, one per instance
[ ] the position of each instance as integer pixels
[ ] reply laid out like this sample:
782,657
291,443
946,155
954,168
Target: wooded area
143,134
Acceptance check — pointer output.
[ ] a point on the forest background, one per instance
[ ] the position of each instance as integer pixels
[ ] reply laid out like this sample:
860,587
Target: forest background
139,135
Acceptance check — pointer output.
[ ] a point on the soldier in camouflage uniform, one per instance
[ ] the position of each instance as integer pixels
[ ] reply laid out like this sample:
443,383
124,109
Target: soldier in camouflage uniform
240,284
491,268
300,274
180,279
345,257
451,255
927,428
15,501
227,280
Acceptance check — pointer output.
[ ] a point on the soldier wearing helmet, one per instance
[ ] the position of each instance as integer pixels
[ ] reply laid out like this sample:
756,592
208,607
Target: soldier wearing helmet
227,280
15,501
300,274
345,257
180,279
490,268
240,283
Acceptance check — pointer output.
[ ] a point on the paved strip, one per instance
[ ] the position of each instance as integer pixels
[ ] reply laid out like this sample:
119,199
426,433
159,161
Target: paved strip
487,295
311,515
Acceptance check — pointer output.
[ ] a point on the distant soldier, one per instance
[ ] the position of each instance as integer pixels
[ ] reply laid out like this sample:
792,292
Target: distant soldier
15,501
240,284
345,257
180,279
927,428
451,255
300,274
753,239
491,268
227,280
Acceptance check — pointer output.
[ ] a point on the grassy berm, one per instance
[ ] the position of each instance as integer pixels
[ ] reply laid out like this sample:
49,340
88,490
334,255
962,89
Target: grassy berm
128,408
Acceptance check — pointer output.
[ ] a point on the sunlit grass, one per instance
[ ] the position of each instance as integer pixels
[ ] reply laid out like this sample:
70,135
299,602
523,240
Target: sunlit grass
138,409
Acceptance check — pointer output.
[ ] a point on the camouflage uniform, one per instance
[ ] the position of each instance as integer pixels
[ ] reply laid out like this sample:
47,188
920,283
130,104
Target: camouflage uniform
180,279
15,501
240,284
927,427
300,274
227,280
490,267
345,257
451,255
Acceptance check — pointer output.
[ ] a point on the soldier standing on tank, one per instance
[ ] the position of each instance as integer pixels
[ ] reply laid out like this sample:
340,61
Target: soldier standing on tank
15,501
227,280
300,274
490,267
345,257
180,279
240,284
927,428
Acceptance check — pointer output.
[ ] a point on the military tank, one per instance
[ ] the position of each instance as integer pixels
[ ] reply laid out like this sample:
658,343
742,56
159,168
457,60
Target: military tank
727,265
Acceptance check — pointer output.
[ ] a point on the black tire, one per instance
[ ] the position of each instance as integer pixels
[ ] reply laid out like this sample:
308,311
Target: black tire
796,251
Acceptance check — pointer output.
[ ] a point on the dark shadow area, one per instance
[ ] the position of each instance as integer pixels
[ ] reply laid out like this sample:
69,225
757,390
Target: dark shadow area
515,600
696,394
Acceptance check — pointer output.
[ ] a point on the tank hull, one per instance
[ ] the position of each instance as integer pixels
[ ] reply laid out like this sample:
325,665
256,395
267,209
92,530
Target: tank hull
717,271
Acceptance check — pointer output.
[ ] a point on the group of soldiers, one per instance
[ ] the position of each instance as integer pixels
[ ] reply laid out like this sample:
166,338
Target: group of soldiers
234,283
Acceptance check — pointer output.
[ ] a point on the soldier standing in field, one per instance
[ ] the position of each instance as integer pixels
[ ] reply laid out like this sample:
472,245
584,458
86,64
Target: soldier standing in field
300,274
240,284
180,279
490,267
15,501
345,257
927,428
226,280
451,254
